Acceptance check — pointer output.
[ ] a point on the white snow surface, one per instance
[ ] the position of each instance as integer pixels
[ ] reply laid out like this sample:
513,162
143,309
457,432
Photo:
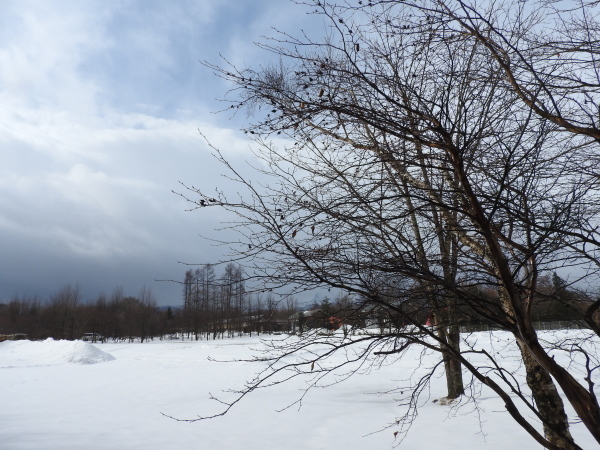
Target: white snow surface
55,395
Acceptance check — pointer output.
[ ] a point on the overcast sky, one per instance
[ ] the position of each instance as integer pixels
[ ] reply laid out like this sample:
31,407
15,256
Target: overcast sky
100,107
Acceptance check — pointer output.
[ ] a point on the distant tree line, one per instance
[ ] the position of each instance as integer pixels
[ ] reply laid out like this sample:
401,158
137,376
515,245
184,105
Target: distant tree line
219,306
555,301
66,316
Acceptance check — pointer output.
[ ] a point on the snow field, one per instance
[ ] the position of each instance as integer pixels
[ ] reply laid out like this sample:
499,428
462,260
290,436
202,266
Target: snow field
75,395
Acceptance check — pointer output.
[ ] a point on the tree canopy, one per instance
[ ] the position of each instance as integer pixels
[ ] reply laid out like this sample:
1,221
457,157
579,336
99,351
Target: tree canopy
439,158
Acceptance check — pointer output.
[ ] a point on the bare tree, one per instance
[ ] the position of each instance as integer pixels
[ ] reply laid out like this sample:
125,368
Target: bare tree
64,304
438,149
214,305
188,303
146,315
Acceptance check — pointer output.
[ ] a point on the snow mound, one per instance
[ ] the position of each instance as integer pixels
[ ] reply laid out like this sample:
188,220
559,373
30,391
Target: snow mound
50,353
86,353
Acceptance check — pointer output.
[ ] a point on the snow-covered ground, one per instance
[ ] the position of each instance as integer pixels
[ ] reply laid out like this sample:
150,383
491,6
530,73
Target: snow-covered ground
75,395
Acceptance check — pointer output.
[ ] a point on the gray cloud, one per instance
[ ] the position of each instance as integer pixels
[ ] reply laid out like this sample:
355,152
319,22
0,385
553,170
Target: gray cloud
100,106
104,213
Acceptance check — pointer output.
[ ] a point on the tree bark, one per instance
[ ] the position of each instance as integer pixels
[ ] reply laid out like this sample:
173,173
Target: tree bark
548,401
453,367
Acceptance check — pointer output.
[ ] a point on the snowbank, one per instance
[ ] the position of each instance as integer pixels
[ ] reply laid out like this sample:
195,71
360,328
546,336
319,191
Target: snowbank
49,353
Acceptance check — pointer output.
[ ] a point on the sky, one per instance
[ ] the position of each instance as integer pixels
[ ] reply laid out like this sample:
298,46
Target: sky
101,104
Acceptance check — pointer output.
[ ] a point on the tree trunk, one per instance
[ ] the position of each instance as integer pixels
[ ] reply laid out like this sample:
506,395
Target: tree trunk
547,399
453,367
448,331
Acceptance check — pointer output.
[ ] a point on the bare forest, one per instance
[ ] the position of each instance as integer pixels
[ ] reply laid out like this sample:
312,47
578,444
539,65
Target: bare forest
65,315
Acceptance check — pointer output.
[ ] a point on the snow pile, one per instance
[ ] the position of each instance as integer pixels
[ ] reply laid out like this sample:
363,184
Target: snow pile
49,353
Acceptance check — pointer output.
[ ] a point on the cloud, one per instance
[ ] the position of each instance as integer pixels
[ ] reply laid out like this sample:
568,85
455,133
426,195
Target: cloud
43,49
96,194
101,104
